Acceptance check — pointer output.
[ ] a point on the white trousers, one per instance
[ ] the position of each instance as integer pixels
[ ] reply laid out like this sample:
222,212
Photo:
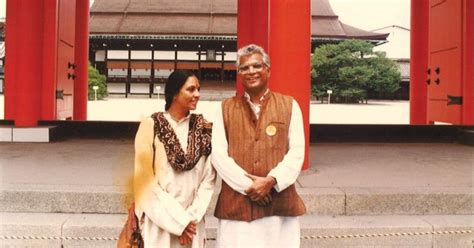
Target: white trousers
268,232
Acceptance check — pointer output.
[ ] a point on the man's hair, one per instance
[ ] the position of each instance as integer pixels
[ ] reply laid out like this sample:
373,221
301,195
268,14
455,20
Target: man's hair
251,49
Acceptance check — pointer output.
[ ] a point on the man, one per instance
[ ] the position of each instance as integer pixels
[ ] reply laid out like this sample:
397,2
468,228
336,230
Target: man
258,150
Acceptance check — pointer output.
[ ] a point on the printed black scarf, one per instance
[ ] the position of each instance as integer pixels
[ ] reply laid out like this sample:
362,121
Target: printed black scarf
199,141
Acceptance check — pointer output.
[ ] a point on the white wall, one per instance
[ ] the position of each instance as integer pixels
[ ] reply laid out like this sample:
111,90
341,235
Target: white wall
398,46
117,54
141,73
164,55
186,55
117,72
145,55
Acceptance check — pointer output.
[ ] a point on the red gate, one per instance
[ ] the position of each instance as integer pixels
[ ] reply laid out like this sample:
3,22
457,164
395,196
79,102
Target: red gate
446,64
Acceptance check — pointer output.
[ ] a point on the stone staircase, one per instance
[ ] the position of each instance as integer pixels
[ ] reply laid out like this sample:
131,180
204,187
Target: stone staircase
38,214
380,217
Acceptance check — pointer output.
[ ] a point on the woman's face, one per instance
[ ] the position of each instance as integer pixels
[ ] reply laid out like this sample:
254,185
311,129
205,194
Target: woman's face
188,96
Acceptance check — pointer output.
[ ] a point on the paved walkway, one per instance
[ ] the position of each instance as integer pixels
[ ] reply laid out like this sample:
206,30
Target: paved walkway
108,164
134,108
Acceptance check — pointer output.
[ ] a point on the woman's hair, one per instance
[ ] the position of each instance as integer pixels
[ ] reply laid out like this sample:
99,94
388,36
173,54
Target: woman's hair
174,83
251,49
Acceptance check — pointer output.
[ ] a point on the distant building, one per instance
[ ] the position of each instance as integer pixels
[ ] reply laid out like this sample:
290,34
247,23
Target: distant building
138,45
398,49
398,45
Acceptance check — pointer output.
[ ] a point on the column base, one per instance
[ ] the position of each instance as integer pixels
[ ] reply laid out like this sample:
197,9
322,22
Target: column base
28,134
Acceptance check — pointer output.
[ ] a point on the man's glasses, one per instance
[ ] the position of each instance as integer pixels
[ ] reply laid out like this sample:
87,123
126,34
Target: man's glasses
257,67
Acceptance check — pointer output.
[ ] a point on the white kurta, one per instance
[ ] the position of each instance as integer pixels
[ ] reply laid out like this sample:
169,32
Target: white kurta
172,199
272,231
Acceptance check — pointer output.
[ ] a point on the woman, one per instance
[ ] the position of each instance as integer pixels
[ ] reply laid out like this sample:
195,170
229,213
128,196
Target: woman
173,185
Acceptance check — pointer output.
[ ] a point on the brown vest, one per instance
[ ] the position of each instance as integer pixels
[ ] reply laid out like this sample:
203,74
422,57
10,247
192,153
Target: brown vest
257,153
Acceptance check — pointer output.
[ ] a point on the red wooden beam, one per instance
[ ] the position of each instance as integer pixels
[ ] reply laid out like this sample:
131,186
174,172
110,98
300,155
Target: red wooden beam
271,24
49,66
290,50
24,50
468,59
81,55
419,61
252,26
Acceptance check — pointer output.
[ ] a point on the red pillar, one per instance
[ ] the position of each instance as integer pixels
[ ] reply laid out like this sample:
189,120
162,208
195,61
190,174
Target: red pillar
252,26
81,60
468,57
290,50
11,58
272,25
24,54
419,61
49,61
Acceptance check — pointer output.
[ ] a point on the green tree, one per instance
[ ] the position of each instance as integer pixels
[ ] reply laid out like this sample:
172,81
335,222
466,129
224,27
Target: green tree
97,79
351,69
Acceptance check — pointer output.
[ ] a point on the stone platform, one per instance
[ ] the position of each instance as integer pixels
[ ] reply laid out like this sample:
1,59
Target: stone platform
74,193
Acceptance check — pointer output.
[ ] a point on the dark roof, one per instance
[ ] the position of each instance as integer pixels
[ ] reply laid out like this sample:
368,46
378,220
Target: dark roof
202,17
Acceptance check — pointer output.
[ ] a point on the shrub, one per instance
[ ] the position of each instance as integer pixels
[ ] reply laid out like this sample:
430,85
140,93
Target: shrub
97,79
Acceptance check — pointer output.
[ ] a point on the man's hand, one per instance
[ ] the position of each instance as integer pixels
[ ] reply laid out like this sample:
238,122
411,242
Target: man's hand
260,188
266,200
187,235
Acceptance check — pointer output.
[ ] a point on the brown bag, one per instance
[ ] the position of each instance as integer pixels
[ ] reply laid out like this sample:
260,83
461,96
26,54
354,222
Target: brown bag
131,236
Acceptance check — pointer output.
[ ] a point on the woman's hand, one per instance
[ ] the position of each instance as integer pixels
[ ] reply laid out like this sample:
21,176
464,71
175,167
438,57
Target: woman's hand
187,235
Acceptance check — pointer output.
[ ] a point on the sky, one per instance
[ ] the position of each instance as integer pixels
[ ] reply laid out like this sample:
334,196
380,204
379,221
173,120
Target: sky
365,14
373,14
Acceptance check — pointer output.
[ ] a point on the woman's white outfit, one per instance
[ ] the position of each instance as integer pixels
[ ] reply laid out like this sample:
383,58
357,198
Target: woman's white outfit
170,199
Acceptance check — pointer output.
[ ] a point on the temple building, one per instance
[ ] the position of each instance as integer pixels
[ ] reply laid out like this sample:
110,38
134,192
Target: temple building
137,45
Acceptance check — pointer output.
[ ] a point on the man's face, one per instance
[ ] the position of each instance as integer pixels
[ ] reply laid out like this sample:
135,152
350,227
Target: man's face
254,73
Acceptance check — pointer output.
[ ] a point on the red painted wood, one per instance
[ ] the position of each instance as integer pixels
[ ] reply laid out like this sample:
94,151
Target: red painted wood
252,26
50,41
81,59
65,60
67,21
11,49
449,78
23,75
65,83
290,50
419,61
271,24
445,60
468,59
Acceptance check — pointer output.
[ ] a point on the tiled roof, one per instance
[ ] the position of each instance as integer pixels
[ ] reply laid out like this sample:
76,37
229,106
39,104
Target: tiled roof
201,17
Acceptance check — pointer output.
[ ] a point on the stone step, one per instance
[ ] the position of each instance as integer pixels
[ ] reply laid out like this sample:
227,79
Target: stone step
101,230
322,201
